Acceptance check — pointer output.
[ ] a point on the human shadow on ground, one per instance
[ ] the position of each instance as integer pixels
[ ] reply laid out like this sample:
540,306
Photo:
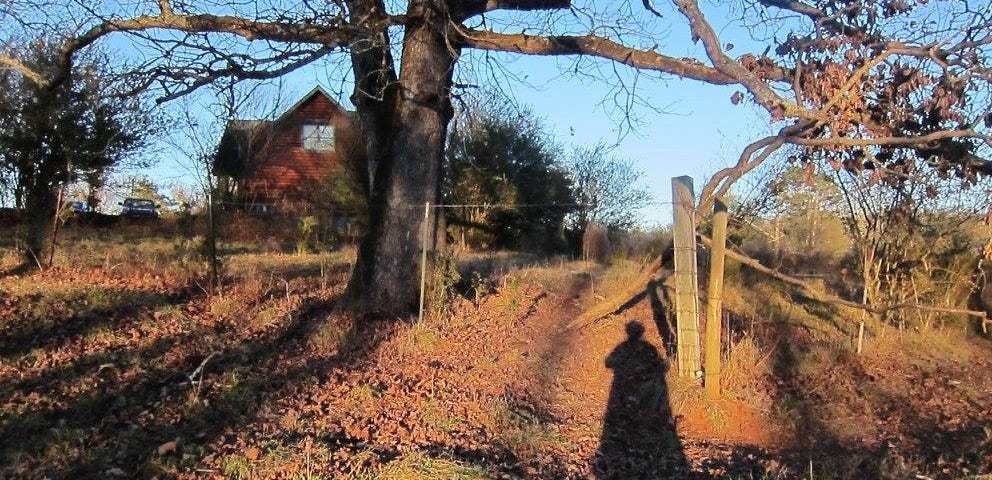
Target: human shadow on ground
639,438
657,294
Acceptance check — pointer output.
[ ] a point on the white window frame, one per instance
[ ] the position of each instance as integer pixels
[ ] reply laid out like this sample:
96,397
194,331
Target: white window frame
317,137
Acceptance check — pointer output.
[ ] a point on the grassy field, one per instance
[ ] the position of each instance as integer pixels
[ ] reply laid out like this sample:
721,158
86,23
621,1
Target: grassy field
121,362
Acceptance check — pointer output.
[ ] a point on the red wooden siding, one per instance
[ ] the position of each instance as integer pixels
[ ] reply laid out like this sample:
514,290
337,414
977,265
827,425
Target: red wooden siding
287,171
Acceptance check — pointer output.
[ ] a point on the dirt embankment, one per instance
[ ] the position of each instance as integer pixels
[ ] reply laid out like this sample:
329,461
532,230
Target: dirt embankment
102,376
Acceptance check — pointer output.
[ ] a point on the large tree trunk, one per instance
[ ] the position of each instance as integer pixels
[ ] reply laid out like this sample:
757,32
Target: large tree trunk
405,164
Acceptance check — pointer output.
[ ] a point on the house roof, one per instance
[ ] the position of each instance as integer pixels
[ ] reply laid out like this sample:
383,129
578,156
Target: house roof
247,125
317,90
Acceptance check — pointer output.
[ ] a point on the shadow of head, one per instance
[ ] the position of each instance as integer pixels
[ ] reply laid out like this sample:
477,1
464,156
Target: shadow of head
636,356
635,330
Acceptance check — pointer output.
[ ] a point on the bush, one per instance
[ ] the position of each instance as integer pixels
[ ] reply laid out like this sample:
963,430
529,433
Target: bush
441,280
307,242
596,245
641,244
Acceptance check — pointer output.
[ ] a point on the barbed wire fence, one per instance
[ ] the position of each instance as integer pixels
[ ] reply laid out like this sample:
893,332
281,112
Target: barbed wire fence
426,228
685,219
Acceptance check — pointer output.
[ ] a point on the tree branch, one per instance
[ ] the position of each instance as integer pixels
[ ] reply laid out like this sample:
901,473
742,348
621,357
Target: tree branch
594,46
477,7
165,7
921,140
818,16
824,297
240,72
334,34
17,66
762,92
721,182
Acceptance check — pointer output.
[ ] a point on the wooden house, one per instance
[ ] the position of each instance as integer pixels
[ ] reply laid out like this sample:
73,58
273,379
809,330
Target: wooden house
286,160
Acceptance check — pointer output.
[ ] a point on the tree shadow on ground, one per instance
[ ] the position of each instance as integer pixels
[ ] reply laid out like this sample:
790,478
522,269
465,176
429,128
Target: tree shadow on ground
51,323
496,460
814,377
638,438
121,423
20,269
293,269
662,319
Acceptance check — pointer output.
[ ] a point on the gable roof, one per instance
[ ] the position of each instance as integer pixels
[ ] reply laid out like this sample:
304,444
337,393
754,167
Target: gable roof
242,136
241,125
239,138
318,90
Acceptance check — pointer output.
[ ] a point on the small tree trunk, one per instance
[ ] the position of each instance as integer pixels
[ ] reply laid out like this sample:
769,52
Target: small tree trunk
441,229
870,279
55,225
212,239
39,210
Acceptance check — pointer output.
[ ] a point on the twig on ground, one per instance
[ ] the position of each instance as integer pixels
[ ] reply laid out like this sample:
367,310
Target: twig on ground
196,377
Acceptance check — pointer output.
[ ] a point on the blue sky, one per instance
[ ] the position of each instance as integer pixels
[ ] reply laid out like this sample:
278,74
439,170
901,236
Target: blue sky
696,131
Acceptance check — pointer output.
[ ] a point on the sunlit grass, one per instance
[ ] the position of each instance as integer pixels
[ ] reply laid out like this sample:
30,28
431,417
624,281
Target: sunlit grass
282,265
415,465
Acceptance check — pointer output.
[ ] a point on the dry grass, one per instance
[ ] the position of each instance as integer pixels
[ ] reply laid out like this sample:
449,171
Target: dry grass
283,265
274,320
524,435
745,368
335,334
133,250
228,308
277,460
9,259
415,465
418,340
615,279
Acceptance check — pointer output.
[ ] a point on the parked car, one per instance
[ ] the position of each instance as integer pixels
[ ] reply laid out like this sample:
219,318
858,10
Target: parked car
79,207
139,208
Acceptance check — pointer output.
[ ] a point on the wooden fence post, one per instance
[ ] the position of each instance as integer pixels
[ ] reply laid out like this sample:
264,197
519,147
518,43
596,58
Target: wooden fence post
212,240
423,259
686,286
714,301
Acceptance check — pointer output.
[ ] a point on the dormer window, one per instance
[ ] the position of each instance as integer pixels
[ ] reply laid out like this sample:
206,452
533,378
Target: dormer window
318,137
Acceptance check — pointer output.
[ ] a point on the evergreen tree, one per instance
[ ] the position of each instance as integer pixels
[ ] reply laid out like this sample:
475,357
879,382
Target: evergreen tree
504,164
53,135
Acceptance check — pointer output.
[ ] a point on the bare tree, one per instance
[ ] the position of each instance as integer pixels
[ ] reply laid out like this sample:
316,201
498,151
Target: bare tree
606,188
916,236
836,74
196,144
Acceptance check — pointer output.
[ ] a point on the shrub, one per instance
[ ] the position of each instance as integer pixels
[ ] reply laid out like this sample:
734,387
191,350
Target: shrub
441,280
596,245
307,242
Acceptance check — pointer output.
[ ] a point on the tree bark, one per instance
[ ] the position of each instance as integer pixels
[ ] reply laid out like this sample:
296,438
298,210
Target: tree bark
405,163
39,210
